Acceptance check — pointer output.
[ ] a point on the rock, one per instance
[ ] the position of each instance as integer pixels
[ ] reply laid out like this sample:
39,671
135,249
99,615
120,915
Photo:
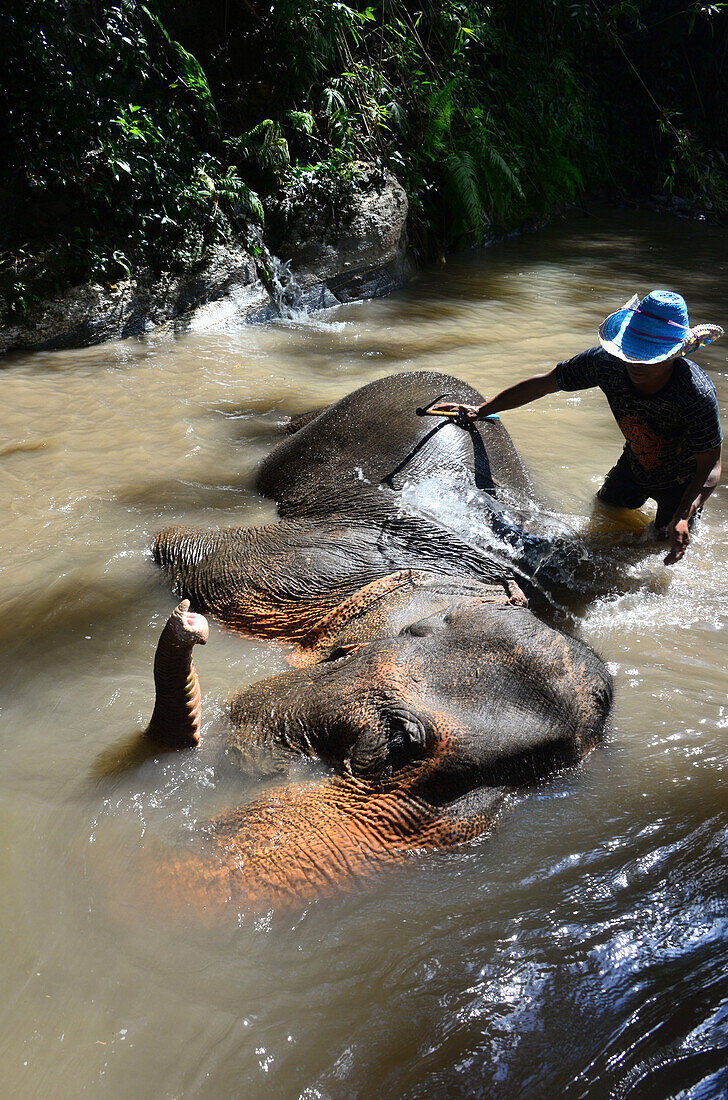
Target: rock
92,313
355,247
224,271
336,252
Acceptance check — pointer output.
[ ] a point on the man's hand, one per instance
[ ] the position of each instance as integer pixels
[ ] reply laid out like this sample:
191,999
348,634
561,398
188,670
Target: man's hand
679,537
707,476
468,413
530,389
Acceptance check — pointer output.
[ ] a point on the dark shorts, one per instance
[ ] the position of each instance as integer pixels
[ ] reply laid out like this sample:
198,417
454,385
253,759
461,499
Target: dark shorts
621,489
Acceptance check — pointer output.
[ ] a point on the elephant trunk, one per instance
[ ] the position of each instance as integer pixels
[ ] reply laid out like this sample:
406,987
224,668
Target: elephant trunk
175,722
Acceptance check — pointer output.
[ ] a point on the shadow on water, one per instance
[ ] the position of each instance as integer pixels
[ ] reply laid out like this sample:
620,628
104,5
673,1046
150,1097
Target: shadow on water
125,755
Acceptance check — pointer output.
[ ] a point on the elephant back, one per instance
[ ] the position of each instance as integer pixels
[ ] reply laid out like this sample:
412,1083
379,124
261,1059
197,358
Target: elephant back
373,441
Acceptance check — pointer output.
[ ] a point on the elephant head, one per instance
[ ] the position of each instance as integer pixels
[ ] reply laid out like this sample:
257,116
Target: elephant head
424,732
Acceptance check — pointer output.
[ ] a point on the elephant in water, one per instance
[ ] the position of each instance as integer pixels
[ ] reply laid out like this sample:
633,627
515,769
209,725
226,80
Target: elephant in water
429,703
338,483
423,684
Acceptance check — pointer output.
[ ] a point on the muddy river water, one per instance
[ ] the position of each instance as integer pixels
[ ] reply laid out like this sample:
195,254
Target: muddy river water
580,950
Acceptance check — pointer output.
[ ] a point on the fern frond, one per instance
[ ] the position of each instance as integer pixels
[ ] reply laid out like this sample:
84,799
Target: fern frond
463,177
239,196
500,164
264,146
193,77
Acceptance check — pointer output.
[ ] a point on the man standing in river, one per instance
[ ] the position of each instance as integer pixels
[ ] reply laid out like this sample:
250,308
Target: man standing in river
664,404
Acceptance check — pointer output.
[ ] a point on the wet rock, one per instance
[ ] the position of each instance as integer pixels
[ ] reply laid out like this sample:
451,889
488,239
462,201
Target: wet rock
93,313
351,247
334,251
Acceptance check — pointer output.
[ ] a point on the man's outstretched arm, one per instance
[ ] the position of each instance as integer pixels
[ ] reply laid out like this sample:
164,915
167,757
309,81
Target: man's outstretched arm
707,476
530,389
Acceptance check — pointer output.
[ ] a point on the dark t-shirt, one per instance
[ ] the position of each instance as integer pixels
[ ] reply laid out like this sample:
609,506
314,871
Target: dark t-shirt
663,430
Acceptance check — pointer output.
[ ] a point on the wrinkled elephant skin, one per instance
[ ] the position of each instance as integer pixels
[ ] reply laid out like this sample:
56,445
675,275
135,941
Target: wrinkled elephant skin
337,484
426,732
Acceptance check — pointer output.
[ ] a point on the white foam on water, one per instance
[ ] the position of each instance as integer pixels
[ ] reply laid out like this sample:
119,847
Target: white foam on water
316,321
690,593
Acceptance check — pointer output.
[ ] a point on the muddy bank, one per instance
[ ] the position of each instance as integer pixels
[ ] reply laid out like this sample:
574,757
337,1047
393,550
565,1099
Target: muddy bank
313,255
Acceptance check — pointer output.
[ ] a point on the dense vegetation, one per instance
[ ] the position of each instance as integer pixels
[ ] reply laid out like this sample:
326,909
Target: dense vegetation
138,132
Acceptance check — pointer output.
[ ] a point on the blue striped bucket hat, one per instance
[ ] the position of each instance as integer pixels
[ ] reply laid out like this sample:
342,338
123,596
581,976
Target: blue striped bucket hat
654,329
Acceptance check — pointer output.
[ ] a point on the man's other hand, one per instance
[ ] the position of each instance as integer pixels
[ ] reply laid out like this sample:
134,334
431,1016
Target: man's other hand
679,537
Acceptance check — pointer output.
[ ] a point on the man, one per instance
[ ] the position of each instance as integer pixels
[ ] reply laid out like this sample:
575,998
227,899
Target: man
664,404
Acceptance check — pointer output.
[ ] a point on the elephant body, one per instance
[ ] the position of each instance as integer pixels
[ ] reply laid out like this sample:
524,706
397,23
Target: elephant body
423,684
387,605
373,441
337,483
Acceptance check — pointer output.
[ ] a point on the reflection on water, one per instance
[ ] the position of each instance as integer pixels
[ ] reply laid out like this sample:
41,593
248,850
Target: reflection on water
581,950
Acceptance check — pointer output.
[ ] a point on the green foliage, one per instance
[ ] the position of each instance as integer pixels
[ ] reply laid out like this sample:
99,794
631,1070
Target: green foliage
194,79
115,159
484,121
264,146
209,188
137,133
693,170
301,121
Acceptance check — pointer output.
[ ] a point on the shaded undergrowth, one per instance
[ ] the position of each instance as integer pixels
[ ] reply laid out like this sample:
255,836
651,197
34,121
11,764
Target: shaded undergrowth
139,133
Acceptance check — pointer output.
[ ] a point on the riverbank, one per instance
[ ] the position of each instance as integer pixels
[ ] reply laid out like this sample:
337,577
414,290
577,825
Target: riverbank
321,255
159,156
318,257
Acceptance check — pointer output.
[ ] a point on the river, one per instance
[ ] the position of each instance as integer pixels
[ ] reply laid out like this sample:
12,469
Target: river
580,950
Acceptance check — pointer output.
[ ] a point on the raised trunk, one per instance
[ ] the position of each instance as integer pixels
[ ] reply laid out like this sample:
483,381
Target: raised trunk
175,722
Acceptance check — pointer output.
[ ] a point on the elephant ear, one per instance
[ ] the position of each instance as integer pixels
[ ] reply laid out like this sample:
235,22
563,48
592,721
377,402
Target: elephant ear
289,847
373,438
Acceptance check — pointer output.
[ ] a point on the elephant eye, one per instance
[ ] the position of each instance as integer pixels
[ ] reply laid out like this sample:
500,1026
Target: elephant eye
398,743
406,737
340,651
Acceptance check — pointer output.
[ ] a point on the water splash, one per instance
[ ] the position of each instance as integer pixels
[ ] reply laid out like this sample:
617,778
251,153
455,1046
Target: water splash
599,582
283,287
550,551
643,594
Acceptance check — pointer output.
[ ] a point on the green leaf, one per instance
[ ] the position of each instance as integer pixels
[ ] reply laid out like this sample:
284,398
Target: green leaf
156,22
301,120
193,76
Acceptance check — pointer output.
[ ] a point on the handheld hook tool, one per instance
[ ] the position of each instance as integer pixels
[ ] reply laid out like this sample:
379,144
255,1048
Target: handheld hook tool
456,417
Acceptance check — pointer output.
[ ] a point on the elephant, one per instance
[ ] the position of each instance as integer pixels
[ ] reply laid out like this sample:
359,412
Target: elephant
429,703
338,484
387,605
